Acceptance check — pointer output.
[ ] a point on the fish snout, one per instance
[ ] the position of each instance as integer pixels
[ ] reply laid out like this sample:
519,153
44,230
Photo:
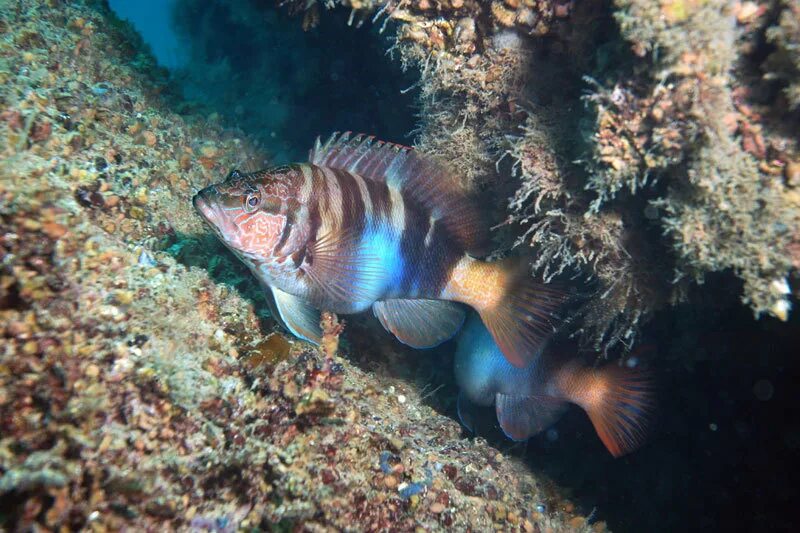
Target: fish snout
200,203
207,205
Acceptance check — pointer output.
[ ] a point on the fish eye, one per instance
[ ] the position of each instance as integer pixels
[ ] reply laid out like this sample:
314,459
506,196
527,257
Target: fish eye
234,174
252,202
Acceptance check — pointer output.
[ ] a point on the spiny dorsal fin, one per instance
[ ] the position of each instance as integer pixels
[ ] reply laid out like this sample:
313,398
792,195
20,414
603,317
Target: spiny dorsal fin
419,178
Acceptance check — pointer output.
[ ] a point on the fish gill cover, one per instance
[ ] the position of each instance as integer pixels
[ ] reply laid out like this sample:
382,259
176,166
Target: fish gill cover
650,147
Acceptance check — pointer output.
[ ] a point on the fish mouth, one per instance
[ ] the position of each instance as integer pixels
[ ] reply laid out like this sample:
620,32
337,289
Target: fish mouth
214,216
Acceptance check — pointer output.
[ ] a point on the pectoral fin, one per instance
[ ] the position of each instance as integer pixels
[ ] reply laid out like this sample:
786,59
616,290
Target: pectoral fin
522,417
341,267
296,315
420,323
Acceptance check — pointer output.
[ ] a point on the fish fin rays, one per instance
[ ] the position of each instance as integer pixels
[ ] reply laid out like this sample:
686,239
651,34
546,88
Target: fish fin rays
618,401
296,315
525,317
359,154
421,179
420,323
522,417
342,268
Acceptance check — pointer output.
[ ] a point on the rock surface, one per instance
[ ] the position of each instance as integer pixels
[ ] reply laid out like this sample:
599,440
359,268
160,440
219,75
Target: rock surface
136,388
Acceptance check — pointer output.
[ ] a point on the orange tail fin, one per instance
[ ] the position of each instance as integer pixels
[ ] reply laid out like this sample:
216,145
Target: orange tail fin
618,401
522,316
518,311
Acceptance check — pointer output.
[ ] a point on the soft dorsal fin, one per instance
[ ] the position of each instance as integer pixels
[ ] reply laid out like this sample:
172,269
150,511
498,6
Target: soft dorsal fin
419,178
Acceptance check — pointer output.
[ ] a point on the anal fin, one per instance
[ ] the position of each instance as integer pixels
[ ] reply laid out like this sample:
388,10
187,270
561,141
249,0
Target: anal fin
296,315
420,323
522,417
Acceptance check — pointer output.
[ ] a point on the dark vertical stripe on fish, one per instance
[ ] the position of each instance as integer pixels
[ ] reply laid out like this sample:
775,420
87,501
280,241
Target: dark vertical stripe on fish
320,195
353,216
378,192
298,257
291,213
315,220
417,223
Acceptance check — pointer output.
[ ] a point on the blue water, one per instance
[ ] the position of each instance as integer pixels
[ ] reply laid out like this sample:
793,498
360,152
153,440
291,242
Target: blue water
153,20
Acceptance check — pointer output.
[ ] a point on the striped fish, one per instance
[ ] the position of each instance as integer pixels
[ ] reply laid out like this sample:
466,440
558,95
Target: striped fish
529,400
372,224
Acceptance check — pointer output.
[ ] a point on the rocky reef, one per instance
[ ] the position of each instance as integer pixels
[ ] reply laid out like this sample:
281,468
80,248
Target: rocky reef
648,148
140,385
644,144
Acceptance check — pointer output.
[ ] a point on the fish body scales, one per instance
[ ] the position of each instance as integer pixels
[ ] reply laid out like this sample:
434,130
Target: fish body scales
404,251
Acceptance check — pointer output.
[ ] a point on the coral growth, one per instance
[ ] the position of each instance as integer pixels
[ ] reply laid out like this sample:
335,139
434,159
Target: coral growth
726,206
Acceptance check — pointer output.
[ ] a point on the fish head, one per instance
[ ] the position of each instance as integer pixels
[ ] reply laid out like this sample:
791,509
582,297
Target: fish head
255,214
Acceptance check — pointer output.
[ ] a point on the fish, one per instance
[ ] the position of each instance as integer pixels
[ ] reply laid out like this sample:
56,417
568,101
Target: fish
371,224
527,401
